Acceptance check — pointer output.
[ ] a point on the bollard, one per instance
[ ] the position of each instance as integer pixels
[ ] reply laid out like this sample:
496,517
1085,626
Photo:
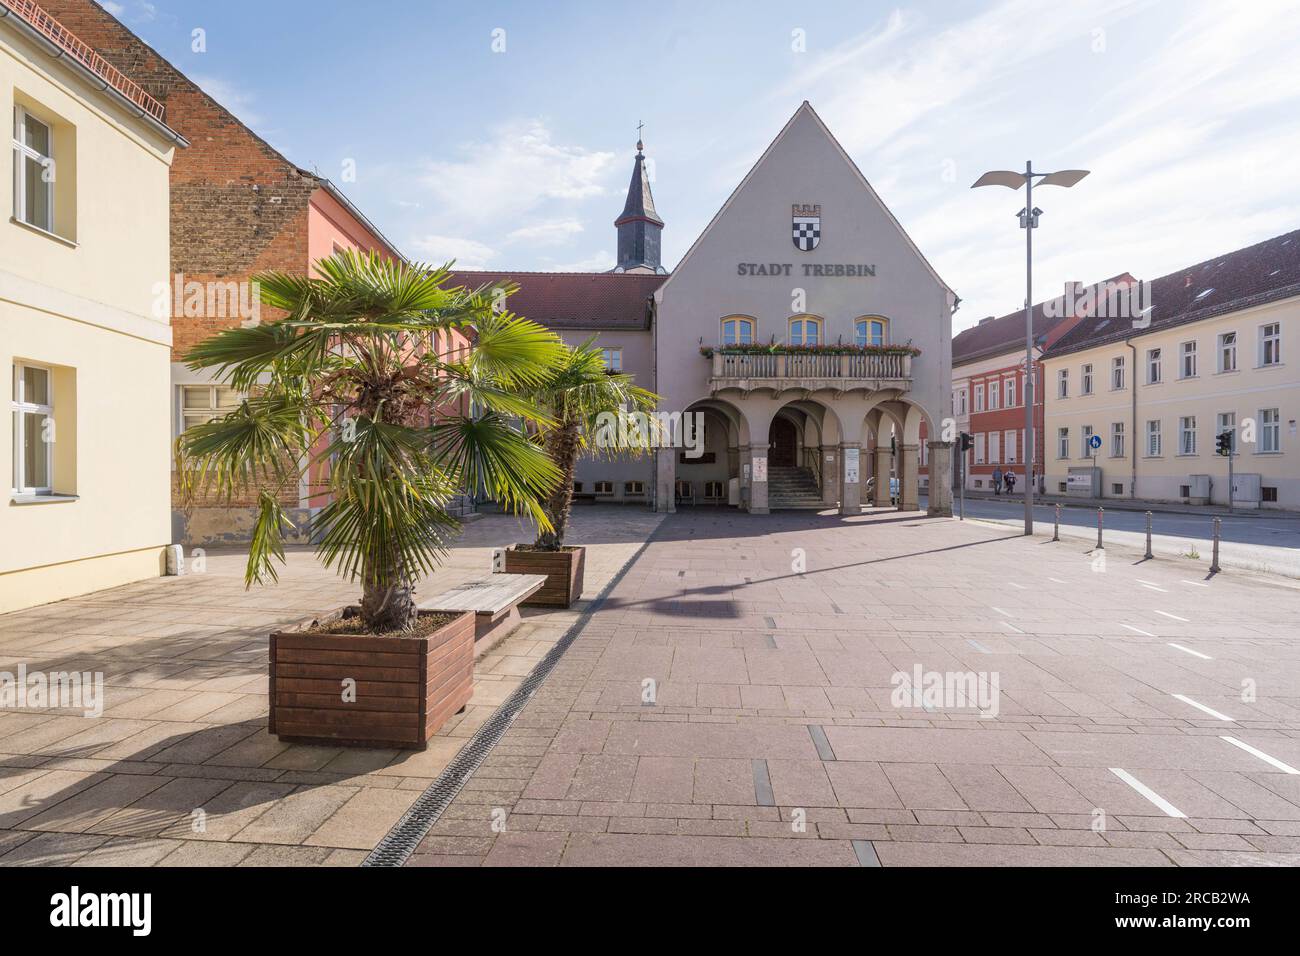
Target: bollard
1149,554
1056,528
1100,514
1214,560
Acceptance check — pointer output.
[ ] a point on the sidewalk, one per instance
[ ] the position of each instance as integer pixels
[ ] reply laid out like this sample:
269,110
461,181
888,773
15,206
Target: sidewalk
1130,504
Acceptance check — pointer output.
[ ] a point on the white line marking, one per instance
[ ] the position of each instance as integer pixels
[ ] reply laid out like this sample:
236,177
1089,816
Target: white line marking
1012,626
1196,584
1138,630
1285,768
1174,617
1142,788
978,646
1152,587
1058,581
1000,611
1213,713
1204,657
1015,585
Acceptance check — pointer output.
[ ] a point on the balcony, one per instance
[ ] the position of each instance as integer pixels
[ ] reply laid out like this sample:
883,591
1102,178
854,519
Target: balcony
796,370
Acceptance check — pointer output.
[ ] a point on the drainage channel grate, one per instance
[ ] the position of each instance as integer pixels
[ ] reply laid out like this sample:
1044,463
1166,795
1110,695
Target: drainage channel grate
400,842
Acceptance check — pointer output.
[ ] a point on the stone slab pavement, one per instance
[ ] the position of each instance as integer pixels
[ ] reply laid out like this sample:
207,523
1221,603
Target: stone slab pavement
179,769
737,700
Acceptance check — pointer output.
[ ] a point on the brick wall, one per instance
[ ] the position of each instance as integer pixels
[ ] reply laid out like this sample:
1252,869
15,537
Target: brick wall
237,206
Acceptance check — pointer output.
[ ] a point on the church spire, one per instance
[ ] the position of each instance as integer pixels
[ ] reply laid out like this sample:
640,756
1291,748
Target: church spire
639,225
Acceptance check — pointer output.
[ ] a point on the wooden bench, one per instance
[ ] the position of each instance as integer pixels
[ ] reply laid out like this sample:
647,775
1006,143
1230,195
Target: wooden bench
494,601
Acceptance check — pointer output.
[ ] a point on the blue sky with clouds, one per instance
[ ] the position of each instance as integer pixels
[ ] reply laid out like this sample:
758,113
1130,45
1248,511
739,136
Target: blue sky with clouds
1184,110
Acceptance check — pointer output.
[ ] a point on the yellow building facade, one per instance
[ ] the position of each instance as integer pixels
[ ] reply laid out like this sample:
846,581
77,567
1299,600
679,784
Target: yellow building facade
84,334
1158,395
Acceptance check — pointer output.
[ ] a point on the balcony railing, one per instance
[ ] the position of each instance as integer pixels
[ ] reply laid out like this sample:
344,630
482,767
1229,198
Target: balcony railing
803,370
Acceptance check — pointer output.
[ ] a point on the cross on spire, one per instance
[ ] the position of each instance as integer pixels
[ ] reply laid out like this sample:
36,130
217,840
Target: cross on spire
639,126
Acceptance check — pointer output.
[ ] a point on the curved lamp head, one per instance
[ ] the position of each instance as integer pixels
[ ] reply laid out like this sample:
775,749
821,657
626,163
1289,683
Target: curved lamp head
1064,177
1000,177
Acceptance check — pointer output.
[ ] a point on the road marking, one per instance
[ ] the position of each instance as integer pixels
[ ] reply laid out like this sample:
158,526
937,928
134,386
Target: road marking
1142,788
1138,630
1196,584
978,646
1012,626
1213,713
1152,587
1058,581
1285,768
1000,611
1204,657
1174,617
1015,585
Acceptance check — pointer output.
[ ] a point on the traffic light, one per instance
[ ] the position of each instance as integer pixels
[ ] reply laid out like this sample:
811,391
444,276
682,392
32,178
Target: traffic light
893,445
967,441
1223,445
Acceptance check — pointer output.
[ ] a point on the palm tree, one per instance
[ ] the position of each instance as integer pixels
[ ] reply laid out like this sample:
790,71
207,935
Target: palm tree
349,380
586,402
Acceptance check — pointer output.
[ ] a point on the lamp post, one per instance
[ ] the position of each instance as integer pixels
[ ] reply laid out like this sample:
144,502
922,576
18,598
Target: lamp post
1029,222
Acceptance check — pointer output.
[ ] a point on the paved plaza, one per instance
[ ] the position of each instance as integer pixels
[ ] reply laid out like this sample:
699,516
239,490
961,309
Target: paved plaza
733,699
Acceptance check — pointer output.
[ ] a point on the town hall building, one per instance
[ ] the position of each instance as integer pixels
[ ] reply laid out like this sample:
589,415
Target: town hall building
803,325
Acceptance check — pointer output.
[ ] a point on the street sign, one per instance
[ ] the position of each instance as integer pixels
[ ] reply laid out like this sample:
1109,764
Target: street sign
1094,442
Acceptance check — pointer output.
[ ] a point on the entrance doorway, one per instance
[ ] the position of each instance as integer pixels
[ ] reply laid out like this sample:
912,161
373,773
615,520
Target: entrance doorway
783,438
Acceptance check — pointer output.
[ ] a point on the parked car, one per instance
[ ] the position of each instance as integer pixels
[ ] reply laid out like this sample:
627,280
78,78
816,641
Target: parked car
893,489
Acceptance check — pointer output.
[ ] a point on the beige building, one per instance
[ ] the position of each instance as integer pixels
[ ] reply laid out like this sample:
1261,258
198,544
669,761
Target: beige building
1202,351
84,337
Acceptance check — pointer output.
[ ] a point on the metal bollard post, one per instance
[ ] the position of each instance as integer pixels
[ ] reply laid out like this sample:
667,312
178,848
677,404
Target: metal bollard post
1056,528
1214,560
1149,554
1101,512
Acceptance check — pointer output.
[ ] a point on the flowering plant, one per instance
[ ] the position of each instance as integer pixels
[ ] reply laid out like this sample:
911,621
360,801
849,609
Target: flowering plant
838,348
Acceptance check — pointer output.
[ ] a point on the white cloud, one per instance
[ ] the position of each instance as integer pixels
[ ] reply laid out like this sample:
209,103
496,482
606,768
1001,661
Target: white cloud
468,253
596,262
545,233
116,9
233,97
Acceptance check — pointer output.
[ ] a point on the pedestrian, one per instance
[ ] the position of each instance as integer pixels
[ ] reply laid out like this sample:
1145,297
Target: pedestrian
997,480
1010,479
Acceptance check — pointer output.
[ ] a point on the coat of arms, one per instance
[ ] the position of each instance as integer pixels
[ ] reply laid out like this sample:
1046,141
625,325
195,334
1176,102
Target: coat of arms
806,226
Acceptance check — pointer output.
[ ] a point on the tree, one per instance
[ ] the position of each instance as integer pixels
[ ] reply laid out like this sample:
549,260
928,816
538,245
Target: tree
352,381
591,409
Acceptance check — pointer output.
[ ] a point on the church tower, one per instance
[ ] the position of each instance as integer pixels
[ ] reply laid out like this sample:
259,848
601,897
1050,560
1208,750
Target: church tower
639,225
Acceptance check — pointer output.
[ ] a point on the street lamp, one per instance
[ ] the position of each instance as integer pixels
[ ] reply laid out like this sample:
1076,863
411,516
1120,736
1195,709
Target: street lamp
1029,222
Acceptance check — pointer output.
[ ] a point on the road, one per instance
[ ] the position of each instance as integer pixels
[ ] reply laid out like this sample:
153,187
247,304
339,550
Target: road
1256,543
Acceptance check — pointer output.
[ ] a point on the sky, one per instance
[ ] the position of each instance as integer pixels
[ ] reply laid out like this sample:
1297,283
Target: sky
502,134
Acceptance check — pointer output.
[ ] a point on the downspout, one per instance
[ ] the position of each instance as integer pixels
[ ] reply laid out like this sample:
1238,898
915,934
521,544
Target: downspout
1133,427
652,315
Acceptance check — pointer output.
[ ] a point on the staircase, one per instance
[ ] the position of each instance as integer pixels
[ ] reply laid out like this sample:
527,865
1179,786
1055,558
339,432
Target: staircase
792,488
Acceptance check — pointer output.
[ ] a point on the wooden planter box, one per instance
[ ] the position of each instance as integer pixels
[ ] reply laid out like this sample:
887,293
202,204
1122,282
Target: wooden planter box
406,687
563,570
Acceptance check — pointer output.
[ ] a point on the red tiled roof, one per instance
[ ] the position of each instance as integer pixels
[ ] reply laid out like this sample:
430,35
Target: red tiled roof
574,300
57,33
1007,333
1259,274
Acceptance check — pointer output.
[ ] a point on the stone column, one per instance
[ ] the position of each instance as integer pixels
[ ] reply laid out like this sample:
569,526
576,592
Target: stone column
665,480
850,456
758,479
742,471
882,477
940,479
830,467
908,480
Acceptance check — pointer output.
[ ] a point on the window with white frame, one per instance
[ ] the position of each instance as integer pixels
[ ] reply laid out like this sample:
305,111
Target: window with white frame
979,397
1009,390
1117,439
1270,344
1187,364
1153,367
1063,443
1085,380
1117,372
33,418
995,452
613,359
33,170
1153,438
979,448
1270,429
993,396
1085,442
1009,443
1228,352
1187,435
204,403
961,401
1063,383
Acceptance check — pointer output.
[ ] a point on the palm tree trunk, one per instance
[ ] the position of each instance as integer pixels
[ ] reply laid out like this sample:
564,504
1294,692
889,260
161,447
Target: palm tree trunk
562,446
387,606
